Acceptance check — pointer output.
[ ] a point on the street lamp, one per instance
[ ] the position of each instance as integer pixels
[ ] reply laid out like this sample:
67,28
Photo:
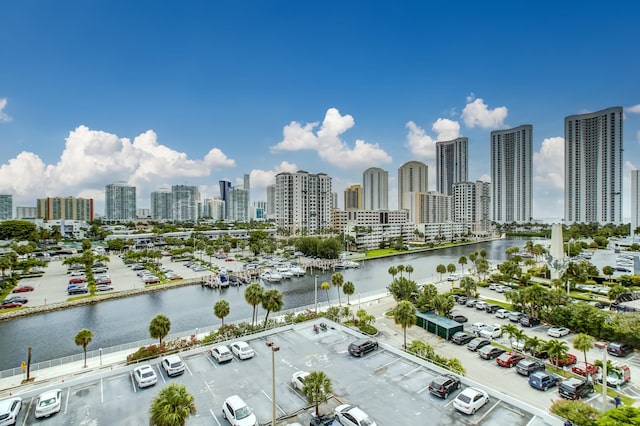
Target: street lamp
274,348
316,295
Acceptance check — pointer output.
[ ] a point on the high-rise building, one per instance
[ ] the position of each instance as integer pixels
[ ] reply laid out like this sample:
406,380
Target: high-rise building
68,208
237,204
375,189
26,212
472,205
593,167
451,164
213,208
184,203
120,202
303,201
511,174
353,197
225,186
161,207
412,177
635,202
6,206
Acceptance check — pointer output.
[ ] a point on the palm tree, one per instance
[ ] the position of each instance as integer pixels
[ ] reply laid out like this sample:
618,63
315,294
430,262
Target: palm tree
317,388
405,315
348,289
469,286
451,268
583,342
272,301
253,296
462,261
172,406
510,329
393,271
337,280
557,350
159,327
441,269
83,338
534,343
519,335
221,309
326,286
443,304
408,269
400,269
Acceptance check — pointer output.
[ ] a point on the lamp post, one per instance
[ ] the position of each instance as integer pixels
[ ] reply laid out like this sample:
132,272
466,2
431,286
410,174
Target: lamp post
316,295
274,348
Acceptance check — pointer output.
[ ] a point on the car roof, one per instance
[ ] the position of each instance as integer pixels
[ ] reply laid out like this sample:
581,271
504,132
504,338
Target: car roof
144,367
235,401
172,358
354,411
5,404
241,344
470,391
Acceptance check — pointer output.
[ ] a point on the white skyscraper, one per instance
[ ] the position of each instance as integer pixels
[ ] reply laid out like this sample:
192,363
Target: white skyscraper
635,201
593,167
511,174
472,205
303,201
120,202
184,203
375,189
451,164
161,204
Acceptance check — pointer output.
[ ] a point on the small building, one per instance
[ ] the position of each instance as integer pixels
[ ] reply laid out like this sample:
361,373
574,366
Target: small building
440,326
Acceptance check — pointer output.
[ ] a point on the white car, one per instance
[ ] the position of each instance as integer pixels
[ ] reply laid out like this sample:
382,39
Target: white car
145,375
503,313
221,354
350,415
48,403
238,412
491,331
470,400
297,380
558,331
173,365
104,287
481,306
9,409
476,327
242,350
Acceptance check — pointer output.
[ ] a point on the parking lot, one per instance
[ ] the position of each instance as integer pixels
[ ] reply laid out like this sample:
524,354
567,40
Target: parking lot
386,384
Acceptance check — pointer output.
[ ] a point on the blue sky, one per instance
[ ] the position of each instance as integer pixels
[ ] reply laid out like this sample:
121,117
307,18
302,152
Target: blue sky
162,93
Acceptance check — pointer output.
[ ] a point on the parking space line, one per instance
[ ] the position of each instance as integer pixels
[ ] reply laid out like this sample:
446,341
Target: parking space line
423,389
187,367
387,364
133,382
488,411
66,403
119,376
409,372
277,406
24,422
214,416
211,362
208,387
101,392
160,373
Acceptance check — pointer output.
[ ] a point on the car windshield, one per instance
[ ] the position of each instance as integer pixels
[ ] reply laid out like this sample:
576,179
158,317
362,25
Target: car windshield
46,402
464,398
366,422
147,373
243,412
177,364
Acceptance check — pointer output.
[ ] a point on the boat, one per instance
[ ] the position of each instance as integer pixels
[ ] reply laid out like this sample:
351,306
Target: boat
271,276
298,271
285,271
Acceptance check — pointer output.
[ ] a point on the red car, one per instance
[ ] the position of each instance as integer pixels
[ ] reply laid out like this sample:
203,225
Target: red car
22,289
77,280
509,359
570,360
9,304
582,368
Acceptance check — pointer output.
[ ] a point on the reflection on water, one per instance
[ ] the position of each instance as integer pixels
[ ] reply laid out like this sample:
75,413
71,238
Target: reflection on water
126,320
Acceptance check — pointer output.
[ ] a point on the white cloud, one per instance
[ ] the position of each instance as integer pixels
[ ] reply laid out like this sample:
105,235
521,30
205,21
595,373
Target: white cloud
327,143
446,129
419,143
4,118
548,163
485,178
476,113
633,109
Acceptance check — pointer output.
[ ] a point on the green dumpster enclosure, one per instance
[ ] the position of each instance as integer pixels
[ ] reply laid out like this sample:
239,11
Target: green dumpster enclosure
440,326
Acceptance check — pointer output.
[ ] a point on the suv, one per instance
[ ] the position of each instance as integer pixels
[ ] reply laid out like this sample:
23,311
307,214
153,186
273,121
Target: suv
528,366
362,346
9,409
573,388
238,412
619,349
528,321
492,309
173,365
443,385
462,338
491,331
542,380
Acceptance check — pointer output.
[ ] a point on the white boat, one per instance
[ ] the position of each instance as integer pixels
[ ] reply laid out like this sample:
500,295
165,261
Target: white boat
271,276
351,264
298,271
285,271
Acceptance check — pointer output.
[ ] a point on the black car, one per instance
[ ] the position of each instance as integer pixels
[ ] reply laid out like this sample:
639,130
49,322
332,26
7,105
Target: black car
477,343
443,385
17,299
462,338
528,366
540,354
462,300
362,346
528,321
323,420
458,318
78,290
619,349
574,388
492,309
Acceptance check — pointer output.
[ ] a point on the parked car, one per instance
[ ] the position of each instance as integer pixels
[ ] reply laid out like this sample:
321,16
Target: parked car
242,350
458,318
515,316
542,380
48,403
22,289
17,299
145,375
519,345
527,321
492,309
619,376
443,385
462,300
78,290
173,365
77,280
509,359
470,303
470,400
362,346
502,288
540,353
574,388
476,327
8,304
104,287
503,313
569,359
350,415
490,351
297,380
619,349
481,306
477,343
492,331
238,413
582,368
221,354
527,366
9,409
462,338
558,331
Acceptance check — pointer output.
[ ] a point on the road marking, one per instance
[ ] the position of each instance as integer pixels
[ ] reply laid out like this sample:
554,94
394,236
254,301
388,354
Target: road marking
387,364
214,416
24,422
423,389
488,411
409,372
210,359
160,372
187,367
66,404
277,406
133,382
119,376
101,392
208,387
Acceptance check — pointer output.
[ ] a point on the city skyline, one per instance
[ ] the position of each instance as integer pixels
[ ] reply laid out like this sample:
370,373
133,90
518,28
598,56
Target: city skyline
213,92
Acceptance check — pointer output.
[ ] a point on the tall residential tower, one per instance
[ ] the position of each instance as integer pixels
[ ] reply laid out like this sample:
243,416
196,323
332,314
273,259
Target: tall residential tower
451,164
375,189
120,202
